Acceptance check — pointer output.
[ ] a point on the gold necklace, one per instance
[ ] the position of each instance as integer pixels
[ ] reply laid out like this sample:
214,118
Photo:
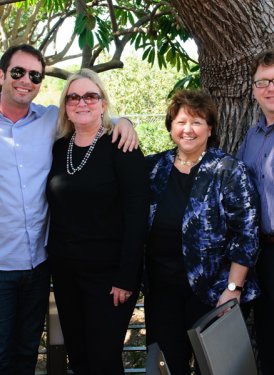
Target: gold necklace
190,163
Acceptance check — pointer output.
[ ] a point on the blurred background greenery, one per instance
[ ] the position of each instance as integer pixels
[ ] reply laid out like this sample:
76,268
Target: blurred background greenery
137,91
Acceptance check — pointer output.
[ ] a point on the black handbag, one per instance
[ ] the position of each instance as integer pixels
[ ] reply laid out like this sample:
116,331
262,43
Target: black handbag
221,342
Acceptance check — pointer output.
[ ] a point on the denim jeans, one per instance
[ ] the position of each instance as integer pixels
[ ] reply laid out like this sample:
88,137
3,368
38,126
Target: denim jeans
23,304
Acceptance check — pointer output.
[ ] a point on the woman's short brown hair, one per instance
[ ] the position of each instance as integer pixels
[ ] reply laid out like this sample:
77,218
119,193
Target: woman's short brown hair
197,103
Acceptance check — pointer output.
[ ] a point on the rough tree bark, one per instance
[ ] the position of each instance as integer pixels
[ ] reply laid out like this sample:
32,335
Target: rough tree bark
228,34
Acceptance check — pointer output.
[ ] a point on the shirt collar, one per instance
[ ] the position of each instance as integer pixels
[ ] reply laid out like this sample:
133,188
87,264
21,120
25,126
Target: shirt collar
33,110
262,125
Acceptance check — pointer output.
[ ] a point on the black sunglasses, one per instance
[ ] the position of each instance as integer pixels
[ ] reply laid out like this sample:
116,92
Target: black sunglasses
88,97
18,72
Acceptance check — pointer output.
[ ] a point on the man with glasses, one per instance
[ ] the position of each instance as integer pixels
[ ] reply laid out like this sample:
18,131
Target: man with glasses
257,151
27,133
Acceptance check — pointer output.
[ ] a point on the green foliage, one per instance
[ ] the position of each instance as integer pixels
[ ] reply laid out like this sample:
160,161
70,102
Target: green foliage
103,33
153,138
139,88
48,4
191,81
50,91
149,25
84,25
137,91
162,43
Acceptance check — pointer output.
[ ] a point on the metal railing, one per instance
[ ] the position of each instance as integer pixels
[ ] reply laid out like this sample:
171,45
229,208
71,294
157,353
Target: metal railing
152,119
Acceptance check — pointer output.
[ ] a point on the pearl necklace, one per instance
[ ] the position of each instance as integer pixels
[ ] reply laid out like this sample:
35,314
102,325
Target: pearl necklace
70,167
189,163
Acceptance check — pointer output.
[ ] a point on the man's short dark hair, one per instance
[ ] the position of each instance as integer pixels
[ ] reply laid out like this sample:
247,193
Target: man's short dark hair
6,57
265,58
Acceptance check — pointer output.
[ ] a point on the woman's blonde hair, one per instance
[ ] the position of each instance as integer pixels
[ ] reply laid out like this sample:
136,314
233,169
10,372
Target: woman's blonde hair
64,126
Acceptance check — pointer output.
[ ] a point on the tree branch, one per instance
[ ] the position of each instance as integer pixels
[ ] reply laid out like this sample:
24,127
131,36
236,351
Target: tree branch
55,27
57,72
6,2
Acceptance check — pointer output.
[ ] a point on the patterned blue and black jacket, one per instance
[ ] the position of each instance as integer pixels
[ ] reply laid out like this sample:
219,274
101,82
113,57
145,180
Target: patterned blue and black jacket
220,224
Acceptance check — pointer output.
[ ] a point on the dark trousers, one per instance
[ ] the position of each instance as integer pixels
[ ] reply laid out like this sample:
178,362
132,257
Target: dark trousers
93,328
264,310
170,311
23,304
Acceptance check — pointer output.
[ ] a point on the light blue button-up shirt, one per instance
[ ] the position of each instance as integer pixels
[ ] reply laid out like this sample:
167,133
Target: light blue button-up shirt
257,151
25,152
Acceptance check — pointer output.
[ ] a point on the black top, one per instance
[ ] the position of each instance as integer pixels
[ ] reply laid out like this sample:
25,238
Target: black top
99,214
164,248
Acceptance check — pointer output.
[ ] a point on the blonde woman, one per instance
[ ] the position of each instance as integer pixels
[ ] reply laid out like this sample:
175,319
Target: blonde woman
98,202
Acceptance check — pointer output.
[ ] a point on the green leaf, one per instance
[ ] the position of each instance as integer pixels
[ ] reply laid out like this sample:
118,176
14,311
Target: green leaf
134,36
164,48
151,56
131,18
82,39
161,61
178,64
80,23
86,38
145,54
195,68
169,55
89,38
138,40
90,22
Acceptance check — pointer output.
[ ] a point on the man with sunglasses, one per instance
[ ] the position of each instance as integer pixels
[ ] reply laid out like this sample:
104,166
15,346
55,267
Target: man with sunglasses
27,133
257,151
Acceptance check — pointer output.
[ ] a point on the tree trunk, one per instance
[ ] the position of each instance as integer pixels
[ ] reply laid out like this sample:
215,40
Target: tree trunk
228,34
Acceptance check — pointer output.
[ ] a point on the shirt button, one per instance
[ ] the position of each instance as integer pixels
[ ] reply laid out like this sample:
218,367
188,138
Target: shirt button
21,165
24,186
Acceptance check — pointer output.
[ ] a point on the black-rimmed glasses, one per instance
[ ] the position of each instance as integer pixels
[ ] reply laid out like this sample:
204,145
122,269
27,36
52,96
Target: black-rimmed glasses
263,83
88,97
18,72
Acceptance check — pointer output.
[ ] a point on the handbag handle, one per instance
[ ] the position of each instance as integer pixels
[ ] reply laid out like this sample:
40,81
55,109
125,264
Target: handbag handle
205,320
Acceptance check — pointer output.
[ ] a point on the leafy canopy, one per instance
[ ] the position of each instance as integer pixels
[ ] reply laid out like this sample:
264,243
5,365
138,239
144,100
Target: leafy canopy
149,26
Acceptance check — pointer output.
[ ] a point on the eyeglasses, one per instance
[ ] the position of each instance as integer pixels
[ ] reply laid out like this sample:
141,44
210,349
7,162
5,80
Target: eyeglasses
88,97
263,83
18,72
